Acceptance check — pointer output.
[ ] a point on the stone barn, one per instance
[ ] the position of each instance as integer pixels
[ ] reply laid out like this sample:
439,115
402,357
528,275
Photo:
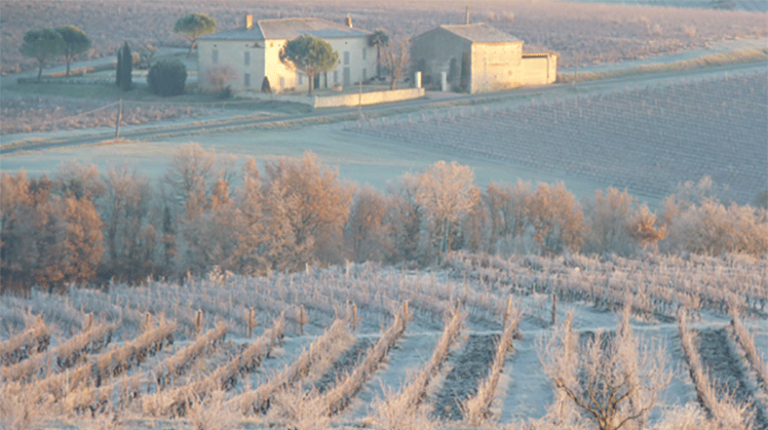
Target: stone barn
479,58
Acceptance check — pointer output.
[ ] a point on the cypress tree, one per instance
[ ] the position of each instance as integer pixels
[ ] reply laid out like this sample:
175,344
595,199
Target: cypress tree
119,68
126,78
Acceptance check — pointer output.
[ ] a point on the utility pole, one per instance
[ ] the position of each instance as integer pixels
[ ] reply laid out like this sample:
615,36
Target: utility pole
467,15
117,123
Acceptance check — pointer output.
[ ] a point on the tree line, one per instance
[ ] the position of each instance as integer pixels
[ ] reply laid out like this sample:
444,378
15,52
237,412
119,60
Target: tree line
82,227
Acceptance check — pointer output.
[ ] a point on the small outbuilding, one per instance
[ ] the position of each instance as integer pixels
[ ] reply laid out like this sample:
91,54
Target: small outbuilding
479,58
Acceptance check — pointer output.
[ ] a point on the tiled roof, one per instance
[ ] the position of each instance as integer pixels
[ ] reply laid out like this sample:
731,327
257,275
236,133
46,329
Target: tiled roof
480,32
289,28
253,33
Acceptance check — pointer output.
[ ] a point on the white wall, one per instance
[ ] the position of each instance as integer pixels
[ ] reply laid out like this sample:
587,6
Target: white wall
265,61
231,55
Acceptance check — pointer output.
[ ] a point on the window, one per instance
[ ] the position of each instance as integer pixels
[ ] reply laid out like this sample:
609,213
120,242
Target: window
282,83
365,74
247,80
215,56
365,53
346,58
299,78
247,58
335,76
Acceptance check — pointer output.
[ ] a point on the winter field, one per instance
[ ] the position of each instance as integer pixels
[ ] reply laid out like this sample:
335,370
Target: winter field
648,139
460,346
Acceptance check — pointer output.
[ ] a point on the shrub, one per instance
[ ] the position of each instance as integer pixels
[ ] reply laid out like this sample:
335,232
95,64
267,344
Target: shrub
226,93
167,78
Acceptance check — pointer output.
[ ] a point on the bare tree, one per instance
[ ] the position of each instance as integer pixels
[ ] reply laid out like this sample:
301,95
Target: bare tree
615,380
405,217
609,216
188,176
367,232
129,236
445,191
644,228
312,199
506,209
395,57
556,218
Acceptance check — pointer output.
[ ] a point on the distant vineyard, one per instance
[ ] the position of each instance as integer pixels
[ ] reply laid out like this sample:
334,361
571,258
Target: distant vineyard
429,328
25,114
581,33
748,5
647,140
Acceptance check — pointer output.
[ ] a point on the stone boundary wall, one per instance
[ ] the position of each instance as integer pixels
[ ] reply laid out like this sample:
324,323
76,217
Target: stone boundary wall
371,98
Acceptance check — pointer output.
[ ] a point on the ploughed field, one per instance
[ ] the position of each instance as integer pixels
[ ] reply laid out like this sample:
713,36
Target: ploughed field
325,345
649,140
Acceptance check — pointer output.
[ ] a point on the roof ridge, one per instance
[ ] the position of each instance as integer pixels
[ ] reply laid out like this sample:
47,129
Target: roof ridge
466,25
294,19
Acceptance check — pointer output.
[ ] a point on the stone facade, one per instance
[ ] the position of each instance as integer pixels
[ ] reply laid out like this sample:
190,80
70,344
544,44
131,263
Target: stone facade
249,54
495,60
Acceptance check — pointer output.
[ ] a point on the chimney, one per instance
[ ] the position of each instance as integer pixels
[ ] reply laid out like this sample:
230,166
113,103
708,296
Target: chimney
467,15
348,21
248,22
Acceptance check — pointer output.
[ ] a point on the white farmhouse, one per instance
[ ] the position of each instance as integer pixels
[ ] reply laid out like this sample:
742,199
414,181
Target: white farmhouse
248,54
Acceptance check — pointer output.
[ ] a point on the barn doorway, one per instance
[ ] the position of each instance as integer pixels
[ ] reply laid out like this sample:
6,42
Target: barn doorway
453,70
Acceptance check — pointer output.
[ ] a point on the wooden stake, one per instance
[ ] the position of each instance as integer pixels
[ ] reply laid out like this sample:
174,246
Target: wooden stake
302,319
354,317
554,309
507,312
251,314
198,322
405,311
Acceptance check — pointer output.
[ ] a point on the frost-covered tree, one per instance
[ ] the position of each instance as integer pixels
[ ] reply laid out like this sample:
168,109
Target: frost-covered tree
445,192
129,234
506,209
608,218
555,218
188,176
367,231
313,200
615,380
